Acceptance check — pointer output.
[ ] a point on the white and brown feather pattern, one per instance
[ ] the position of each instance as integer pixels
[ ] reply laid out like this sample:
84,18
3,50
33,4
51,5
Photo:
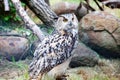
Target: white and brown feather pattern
53,51
56,49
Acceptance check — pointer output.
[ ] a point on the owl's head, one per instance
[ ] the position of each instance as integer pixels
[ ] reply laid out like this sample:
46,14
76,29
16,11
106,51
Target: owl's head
67,23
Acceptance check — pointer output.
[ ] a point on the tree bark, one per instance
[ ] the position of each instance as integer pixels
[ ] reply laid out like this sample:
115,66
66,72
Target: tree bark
28,22
42,11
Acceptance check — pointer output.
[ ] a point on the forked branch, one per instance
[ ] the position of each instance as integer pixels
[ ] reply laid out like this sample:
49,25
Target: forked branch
28,22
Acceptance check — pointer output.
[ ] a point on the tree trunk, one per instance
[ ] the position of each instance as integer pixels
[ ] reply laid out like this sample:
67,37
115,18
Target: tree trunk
28,22
42,10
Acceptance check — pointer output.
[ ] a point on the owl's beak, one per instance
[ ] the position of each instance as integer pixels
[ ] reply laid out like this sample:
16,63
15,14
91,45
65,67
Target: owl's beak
70,24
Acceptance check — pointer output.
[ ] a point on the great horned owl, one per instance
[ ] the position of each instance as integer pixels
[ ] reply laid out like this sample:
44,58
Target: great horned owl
54,53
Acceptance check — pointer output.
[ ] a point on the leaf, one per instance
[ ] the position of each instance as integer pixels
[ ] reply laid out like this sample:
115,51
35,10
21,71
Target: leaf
6,18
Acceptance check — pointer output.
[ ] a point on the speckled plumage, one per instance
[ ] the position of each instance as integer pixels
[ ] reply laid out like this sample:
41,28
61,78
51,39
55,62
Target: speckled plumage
56,49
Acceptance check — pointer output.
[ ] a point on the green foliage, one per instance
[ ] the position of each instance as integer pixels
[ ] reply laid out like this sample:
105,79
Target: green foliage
74,76
73,1
22,66
2,79
46,77
98,77
10,15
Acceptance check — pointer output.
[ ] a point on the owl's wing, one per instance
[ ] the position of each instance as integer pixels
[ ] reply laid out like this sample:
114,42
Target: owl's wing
49,55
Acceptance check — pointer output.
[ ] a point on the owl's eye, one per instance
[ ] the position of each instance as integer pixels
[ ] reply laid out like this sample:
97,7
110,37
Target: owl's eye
65,20
72,19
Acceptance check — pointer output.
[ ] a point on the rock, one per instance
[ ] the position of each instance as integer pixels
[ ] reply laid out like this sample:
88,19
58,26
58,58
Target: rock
84,56
13,46
101,31
64,7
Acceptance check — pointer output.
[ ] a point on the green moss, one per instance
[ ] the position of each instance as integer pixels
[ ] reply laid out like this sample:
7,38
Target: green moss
74,76
46,77
100,78
72,1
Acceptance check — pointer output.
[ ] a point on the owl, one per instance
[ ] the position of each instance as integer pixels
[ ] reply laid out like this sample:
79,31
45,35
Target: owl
54,53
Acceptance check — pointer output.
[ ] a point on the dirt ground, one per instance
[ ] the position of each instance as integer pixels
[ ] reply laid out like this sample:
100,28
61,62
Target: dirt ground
106,70
14,70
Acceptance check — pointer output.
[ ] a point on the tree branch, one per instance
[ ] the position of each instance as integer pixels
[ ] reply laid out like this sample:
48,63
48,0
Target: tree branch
42,11
6,4
28,22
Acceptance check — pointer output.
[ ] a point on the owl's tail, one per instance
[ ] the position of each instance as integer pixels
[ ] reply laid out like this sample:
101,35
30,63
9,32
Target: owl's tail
33,71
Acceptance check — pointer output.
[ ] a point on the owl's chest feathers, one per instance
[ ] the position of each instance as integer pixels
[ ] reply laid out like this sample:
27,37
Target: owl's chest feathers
58,44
